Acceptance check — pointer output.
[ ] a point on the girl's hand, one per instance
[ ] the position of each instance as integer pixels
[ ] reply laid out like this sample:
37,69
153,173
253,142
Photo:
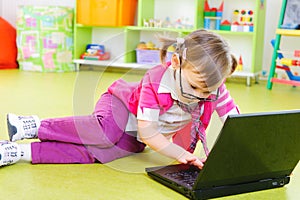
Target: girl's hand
148,133
190,159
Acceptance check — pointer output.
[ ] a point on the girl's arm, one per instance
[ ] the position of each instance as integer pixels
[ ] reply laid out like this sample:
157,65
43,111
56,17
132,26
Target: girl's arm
149,134
225,105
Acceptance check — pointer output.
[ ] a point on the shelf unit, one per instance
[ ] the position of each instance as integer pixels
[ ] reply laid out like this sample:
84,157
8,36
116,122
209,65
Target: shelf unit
122,41
279,33
79,62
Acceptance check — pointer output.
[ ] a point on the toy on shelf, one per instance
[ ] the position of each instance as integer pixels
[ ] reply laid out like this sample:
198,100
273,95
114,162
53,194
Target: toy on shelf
153,23
146,46
95,52
213,12
180,23
242,20
225,26
240,64
212,16
183,23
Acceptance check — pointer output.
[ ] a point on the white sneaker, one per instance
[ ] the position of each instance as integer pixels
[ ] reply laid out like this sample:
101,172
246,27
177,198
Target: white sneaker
10,152
22,127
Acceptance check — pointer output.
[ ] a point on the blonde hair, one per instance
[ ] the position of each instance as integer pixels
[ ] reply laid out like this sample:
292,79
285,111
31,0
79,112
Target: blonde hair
206,51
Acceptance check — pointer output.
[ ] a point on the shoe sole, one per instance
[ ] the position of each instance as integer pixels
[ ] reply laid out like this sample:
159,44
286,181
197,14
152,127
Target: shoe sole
12,130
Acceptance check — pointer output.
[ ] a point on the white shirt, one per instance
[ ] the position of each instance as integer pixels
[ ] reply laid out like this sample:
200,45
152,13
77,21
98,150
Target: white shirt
173,119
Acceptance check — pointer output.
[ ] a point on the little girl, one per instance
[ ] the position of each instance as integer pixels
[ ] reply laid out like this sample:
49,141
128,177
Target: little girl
130,116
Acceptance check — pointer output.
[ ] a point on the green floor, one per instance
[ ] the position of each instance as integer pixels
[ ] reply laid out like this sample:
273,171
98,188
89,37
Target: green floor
63,94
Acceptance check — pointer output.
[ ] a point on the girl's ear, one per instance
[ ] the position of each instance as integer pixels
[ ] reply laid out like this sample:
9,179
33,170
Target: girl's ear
175,61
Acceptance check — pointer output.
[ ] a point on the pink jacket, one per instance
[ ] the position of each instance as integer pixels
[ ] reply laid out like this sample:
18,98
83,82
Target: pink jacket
145,95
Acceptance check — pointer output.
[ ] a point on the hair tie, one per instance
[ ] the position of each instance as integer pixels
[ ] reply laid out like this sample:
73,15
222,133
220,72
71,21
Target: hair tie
180,40
184,54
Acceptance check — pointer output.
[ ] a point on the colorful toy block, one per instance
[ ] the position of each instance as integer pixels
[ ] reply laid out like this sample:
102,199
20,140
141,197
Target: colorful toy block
225,25
213,12
212,16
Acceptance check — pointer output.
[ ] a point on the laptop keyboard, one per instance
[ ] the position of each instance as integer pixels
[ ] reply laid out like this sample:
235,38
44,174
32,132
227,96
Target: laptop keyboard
187,177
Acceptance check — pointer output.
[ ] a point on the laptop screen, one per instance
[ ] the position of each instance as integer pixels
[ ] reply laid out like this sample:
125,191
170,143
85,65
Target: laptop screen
253,147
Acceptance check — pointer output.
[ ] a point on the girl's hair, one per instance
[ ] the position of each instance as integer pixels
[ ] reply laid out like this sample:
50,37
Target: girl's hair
206,51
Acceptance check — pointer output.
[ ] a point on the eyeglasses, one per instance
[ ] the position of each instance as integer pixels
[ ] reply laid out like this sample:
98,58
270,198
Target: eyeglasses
212,97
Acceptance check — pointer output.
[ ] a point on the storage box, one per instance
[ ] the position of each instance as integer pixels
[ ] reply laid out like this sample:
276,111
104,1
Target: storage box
106,12
45,38
150,56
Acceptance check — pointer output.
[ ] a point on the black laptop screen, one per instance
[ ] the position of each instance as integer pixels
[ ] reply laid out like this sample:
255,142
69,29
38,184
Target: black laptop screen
253,147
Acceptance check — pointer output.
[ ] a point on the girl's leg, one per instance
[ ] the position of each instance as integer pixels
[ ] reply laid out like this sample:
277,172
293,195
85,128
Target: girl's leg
103,128
111,142
55,152
126,146
83,139
66,153
43,152
76,130
60,153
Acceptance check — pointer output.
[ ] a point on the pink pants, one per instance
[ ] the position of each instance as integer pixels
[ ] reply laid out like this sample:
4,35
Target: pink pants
87,139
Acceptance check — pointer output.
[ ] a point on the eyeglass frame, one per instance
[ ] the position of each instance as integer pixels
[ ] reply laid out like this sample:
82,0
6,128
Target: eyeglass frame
191,96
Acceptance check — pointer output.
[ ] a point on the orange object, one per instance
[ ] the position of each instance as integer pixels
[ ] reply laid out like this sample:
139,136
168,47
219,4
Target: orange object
106,12
8,50
240,64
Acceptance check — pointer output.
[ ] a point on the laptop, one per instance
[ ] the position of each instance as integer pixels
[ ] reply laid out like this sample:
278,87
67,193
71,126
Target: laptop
252,152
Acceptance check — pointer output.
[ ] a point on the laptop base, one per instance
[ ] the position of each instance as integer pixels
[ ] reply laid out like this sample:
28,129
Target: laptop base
222,190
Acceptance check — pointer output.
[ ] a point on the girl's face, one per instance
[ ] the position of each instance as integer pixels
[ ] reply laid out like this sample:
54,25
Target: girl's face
191,86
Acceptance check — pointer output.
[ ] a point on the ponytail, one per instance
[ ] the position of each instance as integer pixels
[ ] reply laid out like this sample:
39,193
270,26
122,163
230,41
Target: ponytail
166,42
234,64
